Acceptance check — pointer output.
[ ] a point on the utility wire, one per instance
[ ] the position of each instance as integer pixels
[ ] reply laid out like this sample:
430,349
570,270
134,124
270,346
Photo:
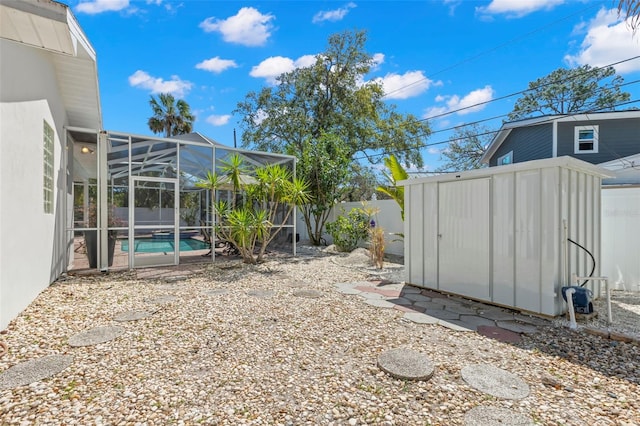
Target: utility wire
513,40
492,132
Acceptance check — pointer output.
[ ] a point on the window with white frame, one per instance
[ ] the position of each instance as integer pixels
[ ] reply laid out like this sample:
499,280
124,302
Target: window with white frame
505,159
586,140
48,168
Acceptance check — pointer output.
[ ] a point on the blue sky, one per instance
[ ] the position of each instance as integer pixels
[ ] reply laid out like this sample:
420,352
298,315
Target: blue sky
433,57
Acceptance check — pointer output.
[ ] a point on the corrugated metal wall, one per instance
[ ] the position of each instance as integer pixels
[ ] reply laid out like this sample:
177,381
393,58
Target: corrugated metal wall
498,234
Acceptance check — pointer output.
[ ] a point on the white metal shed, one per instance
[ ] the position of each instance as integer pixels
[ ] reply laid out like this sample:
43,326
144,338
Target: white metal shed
499,235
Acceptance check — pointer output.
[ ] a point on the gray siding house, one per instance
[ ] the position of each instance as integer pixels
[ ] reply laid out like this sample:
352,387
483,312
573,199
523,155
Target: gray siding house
609,139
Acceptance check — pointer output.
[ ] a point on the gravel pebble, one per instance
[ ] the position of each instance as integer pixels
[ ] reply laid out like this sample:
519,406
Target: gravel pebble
238,359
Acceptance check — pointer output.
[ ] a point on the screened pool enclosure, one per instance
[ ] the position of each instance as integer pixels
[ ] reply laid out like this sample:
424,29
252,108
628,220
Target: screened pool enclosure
135,200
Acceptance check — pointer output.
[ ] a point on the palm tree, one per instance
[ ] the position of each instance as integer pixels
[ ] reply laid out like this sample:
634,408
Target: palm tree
396,174
632,10
171,117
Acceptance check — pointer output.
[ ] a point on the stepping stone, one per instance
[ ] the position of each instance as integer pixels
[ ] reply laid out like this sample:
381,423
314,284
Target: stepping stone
131,316
476,321
309,294
500,334
517,327
348,288
457,325
494,416
297,284
406,364
460,309
215,291
410,290
34,370
495,381
433,305
495,314
400,301
416,297
96,336
379,303
419,318
372,295
262,294
442,314
160,300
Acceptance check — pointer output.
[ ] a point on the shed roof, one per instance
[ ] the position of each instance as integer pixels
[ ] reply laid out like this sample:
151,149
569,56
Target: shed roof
564,161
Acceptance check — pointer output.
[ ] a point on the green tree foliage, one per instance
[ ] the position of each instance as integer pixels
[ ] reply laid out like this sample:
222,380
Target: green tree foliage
170,117
396,173
324,115
568,91
466,147
362,183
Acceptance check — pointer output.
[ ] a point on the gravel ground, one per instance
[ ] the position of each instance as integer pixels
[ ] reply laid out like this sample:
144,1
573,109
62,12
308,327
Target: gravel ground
260,353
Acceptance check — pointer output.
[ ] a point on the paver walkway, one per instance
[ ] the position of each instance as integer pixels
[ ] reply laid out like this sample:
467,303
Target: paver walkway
429,307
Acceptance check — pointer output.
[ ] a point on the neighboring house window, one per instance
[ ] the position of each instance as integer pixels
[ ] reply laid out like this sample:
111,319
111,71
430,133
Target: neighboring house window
48,168
505,159
586,140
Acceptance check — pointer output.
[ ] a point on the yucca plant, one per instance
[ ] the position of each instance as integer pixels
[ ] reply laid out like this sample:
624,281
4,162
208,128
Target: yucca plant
269,200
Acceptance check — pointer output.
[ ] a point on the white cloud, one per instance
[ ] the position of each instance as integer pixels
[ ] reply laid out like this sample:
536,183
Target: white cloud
274,66
218,120
333,15
94,7
472,102
175,86
517,8
403,86
216,65
378,59
248,27
608,39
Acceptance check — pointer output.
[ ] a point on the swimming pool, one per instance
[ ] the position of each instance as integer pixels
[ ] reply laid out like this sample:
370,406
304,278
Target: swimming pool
154,245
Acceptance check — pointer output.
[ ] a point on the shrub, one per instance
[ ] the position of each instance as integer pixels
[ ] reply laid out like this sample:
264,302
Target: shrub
348,230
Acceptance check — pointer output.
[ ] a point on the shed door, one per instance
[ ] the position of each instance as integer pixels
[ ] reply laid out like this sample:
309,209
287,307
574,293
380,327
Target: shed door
463,238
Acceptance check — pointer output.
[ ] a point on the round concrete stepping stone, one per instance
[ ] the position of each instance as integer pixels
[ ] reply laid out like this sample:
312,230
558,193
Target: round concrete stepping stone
175,278
309,294
34,370
406,364
494,416
419,318
96,336
495,381
215,291
131,316
263,294
160,300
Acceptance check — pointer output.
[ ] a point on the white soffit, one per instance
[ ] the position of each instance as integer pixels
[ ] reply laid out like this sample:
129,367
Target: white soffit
51,26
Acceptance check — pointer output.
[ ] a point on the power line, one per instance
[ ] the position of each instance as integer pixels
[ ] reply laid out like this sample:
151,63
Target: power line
491,132
513,40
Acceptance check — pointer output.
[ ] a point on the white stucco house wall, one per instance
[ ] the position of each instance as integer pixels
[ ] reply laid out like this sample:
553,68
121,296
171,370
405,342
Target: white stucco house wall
48,80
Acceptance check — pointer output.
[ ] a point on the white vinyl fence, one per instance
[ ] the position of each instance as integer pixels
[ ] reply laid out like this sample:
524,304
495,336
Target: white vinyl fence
621,237
388,218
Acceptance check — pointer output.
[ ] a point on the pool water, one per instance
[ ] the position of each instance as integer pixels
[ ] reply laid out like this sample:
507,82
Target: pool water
154,245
